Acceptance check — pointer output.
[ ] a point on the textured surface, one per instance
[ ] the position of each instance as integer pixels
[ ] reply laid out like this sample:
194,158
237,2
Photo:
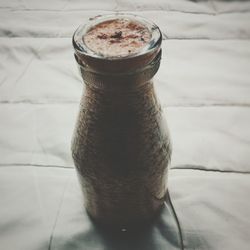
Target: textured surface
203,86
129,37
122,150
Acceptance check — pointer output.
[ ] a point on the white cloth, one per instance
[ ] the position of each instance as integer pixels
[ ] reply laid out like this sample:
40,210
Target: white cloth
203,85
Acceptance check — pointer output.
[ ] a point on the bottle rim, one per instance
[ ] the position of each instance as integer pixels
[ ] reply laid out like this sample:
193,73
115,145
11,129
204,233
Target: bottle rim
82,49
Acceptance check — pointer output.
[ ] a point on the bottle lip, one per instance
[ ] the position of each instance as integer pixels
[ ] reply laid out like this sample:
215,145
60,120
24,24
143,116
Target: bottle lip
82,49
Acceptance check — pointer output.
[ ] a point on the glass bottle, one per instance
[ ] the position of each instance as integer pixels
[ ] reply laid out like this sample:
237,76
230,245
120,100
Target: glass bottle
121,145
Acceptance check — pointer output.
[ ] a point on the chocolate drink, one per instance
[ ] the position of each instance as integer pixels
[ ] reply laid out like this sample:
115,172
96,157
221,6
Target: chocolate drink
121,145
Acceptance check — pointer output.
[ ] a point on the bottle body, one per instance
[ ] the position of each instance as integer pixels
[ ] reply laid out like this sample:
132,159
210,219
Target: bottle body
121,149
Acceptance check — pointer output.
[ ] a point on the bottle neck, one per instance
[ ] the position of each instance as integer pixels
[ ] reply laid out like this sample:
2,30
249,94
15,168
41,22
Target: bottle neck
123,81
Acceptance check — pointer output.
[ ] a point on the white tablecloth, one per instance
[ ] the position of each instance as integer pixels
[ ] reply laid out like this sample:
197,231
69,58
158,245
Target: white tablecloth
204,88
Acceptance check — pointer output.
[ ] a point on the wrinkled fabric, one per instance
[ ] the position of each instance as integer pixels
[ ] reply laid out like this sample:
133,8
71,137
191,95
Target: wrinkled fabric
203,85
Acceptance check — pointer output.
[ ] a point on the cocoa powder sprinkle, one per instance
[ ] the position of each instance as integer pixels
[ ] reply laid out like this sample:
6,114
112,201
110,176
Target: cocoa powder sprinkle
118,37
102,36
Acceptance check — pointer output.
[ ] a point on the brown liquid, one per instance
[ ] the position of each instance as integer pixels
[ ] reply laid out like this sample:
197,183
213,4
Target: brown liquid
121,150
